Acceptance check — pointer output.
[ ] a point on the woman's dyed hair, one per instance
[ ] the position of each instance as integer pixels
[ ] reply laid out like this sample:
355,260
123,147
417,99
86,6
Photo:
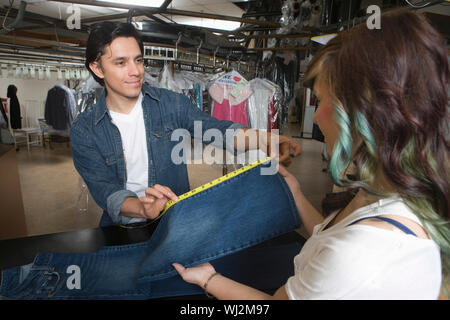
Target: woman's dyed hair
389,90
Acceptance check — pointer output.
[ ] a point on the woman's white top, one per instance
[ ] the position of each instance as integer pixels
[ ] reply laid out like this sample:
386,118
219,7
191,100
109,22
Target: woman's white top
366,262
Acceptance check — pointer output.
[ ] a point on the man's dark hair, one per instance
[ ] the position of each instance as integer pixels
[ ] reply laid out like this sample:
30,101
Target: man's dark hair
102,34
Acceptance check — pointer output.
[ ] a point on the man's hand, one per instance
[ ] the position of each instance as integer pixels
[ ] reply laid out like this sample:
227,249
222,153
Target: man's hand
155,200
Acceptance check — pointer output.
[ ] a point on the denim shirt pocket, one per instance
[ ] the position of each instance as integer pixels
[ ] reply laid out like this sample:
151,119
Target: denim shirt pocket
110,158
111,161
164,132
163,146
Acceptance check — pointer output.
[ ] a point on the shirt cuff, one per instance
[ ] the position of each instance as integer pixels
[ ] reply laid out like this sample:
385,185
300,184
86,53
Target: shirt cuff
114,204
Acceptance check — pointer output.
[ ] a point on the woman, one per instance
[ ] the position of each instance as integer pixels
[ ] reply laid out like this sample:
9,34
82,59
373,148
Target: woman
15,117
383,107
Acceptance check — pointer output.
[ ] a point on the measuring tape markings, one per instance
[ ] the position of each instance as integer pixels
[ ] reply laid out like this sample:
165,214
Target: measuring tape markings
207,186
215,182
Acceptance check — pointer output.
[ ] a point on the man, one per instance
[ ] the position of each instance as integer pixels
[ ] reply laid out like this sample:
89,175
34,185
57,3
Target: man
122,146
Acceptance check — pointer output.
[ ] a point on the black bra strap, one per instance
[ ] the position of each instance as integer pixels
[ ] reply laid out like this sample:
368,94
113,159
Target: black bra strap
399,225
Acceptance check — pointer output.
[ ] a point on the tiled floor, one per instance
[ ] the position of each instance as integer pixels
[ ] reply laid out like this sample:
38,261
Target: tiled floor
54,200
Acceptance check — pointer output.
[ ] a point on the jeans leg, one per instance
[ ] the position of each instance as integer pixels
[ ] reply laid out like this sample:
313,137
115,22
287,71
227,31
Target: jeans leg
231,216
266,269
109,273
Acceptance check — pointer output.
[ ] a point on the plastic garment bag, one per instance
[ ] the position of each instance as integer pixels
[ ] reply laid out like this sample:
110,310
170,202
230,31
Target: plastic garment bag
230,93
259,104
87,94
167,81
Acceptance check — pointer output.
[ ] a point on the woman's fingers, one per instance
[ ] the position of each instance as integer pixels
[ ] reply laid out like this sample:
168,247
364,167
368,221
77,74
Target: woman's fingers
180,269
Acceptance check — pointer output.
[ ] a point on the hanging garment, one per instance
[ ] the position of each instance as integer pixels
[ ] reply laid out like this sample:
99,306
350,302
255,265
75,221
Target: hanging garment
272,122
14,108
3,117
230,93
209,226
72,102
231,86
259,103
235,113
58,111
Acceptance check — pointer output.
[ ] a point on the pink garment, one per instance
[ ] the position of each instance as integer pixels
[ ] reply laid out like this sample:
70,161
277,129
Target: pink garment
219,92
235,113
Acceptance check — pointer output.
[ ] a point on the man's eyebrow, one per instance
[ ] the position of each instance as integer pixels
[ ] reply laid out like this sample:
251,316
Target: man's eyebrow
126,58
119,58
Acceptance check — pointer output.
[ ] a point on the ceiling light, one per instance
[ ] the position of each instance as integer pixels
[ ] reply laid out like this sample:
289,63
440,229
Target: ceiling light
142,3
210,23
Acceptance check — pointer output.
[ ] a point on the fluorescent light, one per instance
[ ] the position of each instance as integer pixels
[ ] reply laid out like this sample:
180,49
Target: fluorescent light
209,23
324,39
143,3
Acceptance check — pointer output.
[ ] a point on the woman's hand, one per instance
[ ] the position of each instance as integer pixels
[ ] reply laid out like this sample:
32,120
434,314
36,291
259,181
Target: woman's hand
276,146
196,275
283,147
292,181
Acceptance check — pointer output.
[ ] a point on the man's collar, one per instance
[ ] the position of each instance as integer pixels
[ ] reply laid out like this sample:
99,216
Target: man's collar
151,92
101,108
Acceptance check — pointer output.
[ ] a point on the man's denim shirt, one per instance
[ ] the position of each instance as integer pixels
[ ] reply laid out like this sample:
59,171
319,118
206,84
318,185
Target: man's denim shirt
98,153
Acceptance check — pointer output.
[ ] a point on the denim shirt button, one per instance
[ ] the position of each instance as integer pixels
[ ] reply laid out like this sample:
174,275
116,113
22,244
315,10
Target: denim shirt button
121,155
116,131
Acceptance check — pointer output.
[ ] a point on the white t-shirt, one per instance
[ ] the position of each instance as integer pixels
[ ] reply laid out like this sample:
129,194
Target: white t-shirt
366,262
134,143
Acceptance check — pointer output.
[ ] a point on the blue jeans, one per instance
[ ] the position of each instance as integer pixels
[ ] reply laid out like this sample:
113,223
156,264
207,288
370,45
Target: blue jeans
211,226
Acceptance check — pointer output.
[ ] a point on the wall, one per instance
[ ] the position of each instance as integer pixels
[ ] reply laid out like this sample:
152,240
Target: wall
31,93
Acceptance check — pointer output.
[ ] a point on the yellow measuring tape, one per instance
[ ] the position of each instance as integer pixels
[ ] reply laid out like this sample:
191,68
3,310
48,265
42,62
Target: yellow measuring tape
205,187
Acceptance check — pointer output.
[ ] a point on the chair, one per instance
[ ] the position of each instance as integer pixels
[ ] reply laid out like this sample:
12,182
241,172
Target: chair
48,134
26,135
44,127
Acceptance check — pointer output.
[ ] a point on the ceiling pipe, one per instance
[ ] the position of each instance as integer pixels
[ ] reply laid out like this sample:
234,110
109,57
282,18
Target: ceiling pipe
168,11
165,5
17,21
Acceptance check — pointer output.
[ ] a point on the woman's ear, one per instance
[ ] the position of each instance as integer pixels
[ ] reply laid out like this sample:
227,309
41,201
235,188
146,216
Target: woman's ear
97,69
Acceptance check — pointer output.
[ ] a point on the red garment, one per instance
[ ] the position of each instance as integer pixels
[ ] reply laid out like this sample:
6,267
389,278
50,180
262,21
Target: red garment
273,116
236,113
